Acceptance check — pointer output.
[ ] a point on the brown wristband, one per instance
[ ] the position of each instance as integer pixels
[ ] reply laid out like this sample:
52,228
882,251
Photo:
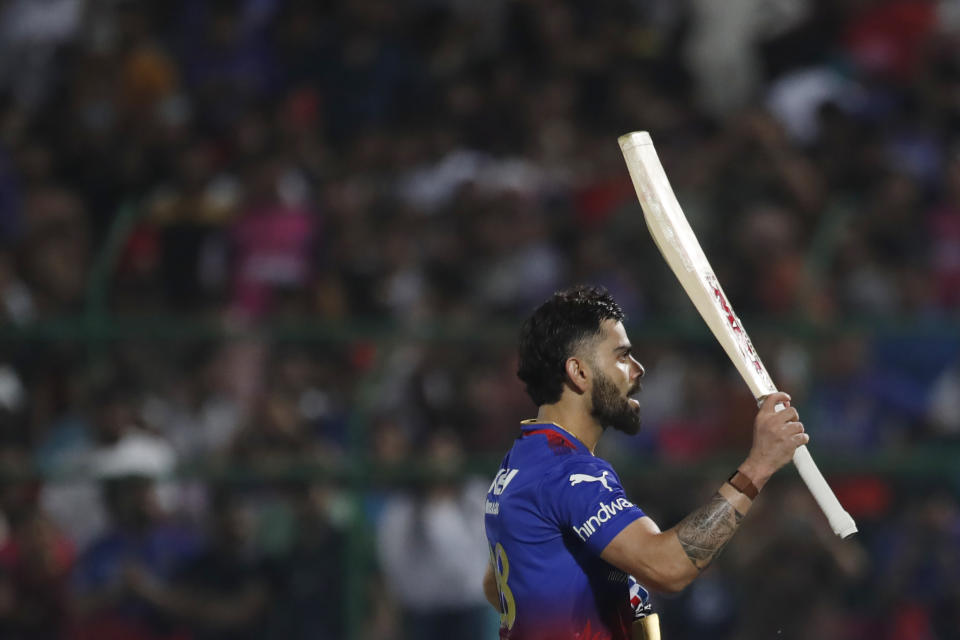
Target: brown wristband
743,484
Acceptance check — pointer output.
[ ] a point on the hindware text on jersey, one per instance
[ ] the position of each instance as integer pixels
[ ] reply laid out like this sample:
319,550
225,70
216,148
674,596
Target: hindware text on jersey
607,510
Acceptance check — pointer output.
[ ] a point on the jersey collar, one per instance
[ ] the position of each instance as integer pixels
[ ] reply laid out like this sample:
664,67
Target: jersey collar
534,426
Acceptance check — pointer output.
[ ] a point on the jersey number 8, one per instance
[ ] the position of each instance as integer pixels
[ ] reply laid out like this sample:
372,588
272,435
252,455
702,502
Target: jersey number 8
508,606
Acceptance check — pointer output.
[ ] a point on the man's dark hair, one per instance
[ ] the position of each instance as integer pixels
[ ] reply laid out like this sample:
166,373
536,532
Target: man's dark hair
554,331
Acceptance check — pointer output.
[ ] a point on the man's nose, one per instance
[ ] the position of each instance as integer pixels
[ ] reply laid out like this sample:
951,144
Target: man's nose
639,367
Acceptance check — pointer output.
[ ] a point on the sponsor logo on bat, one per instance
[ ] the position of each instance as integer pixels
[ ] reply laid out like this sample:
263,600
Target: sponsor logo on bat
722,299
746,347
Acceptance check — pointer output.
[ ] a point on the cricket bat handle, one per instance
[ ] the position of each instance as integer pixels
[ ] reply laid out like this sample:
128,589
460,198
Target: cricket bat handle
840,521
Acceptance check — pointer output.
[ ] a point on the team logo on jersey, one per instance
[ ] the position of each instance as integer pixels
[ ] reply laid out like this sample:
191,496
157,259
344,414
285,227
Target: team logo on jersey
577,478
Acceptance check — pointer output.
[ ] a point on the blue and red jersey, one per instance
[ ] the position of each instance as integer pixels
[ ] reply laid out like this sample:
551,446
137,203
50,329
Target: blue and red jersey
551,510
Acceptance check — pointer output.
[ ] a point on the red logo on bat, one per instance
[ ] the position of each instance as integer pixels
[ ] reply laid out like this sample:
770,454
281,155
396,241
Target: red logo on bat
732,319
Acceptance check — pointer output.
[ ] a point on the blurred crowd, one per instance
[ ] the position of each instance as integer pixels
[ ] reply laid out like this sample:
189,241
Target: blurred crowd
414,177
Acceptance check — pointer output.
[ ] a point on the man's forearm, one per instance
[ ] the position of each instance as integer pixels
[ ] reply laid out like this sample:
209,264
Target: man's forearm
704,533
670,560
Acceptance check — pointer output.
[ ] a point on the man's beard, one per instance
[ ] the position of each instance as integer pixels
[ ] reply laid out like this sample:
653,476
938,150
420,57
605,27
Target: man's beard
611,409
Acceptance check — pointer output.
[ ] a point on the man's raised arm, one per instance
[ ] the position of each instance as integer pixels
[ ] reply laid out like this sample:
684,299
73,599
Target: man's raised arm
670,560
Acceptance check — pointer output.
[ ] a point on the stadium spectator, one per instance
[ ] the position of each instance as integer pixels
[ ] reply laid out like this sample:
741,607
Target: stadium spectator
430,544
221,592
35,564
110,443
140,545
309,575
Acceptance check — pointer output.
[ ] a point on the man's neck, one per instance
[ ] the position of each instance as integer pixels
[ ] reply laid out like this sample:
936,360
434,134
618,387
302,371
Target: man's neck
573,420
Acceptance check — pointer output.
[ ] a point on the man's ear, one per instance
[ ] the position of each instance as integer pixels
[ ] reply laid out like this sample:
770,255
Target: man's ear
578,375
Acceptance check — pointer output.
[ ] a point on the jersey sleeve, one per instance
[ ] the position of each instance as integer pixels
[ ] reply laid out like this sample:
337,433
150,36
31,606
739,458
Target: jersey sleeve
588,502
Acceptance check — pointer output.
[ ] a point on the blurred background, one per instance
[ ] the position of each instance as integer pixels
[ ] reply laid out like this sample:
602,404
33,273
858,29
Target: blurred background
263,263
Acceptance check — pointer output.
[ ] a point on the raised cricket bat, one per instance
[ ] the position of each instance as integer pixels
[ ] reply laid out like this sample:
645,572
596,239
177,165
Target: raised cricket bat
673,236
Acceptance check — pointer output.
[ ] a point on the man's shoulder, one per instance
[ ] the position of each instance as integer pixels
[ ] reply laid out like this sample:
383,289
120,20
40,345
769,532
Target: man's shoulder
586,463
578,469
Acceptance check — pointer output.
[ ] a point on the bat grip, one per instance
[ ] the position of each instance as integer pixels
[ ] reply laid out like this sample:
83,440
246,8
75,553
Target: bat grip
840,521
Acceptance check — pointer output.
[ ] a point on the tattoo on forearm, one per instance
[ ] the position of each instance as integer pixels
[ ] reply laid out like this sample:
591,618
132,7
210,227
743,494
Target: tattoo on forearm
705,532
